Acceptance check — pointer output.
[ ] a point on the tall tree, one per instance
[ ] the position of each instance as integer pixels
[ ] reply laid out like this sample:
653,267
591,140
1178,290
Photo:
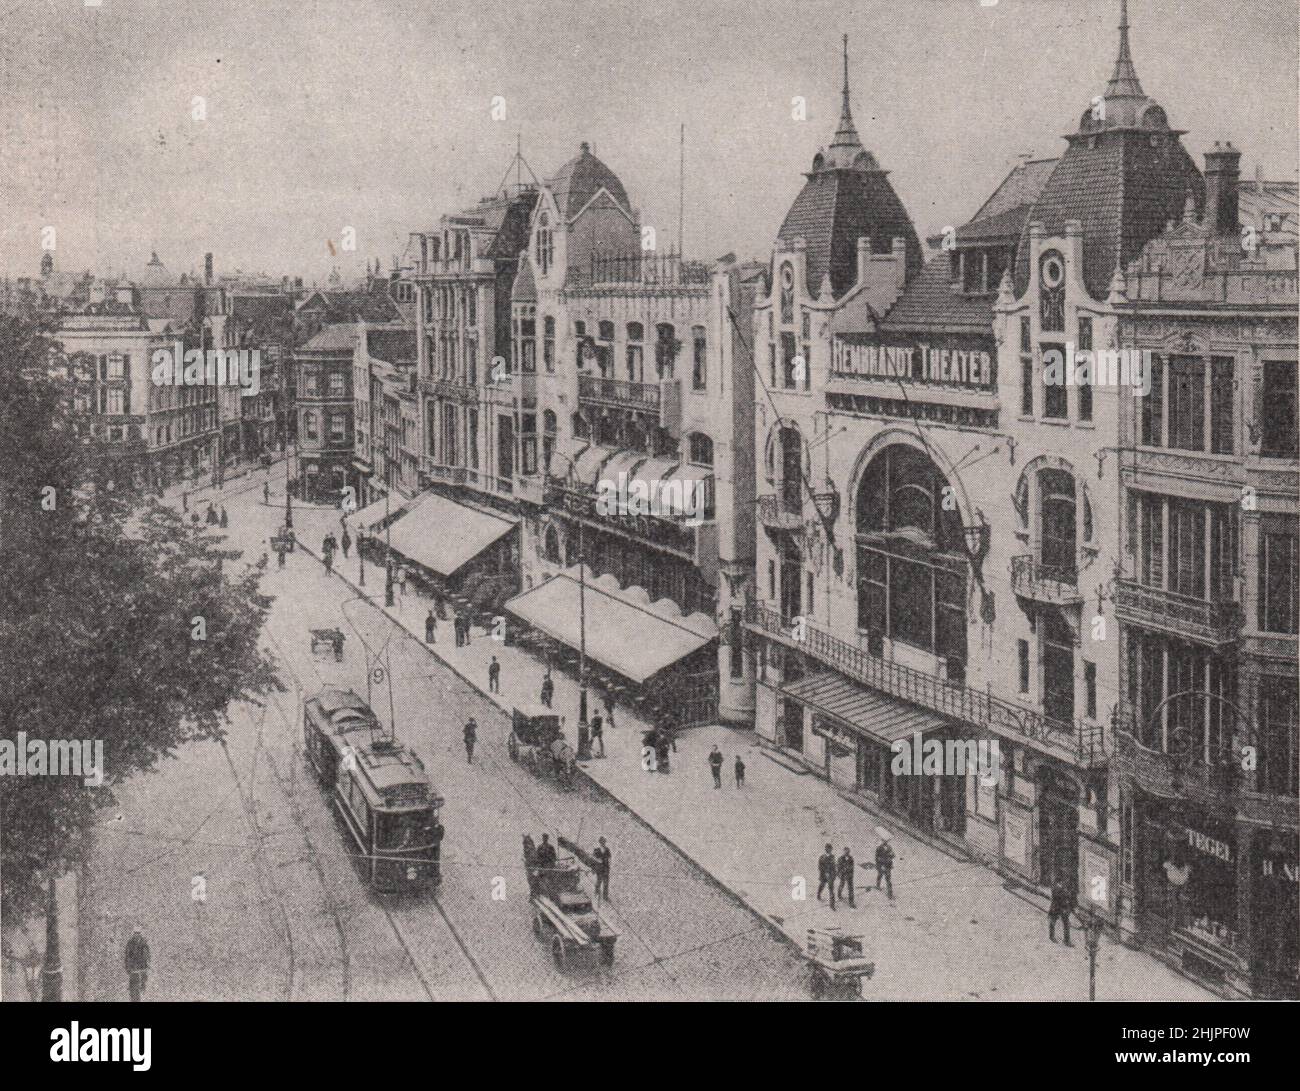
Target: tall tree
118,623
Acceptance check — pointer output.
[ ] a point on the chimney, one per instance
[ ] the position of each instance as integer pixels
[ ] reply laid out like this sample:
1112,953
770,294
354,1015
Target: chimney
1222,172
207,268
899,249
864,258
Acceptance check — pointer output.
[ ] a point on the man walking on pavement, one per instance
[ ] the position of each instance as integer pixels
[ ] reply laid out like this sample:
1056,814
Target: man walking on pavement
431,629
1063,901
347,543
266,492
137,965
740,772
844,869
885,866
826,874
548,689
602,856
494,676
715,764
598,733
471,736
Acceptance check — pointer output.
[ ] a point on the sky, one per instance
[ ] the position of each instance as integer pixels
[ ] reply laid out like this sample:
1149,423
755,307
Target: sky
320,115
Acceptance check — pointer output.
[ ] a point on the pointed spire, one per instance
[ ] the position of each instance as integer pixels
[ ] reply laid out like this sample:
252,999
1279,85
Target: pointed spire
1124,80
846,135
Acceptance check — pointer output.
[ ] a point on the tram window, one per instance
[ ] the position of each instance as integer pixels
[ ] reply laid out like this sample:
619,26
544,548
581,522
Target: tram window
408,830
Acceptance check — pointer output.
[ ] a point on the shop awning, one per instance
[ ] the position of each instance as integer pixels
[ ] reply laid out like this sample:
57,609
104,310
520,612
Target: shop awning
443,535
625,631
693,490
590,461
373,513
864,710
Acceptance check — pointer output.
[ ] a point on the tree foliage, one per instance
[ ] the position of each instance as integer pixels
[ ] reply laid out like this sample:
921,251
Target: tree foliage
99,589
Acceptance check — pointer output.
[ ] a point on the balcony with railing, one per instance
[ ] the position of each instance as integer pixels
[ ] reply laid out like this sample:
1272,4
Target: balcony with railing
1056,585
778,512
619,392
450,389
1206,621
448,475
1079,743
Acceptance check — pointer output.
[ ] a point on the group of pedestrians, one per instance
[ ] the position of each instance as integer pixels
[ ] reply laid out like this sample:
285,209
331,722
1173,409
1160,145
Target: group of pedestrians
715,766
835,875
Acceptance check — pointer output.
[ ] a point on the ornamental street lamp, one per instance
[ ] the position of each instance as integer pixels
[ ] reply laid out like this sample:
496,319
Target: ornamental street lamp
52,968
1093,925
584,739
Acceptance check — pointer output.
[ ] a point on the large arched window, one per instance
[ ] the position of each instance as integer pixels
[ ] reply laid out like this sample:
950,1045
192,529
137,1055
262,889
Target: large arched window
548,439
911,565
1057,528
666,346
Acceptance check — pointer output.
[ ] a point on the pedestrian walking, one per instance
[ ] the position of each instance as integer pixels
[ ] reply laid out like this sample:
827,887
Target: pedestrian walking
401,580
137,965
826,873
494,676
471,737
329,559
1063,901
598,733
330,544
740,772
347,543
430,629
602,857
715,764
279,556
266,493
465,625
885,866
607,700
263,561
548,689
844,867
225,519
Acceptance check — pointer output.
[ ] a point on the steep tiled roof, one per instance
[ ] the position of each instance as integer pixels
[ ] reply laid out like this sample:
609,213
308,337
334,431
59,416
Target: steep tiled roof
1019,188
339,337
1122,190
525,288
580,179
930,303
833,210
394,344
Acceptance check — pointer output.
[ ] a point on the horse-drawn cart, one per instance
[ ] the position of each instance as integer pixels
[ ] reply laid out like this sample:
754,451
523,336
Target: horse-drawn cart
327,640
838,966
537,740
563,913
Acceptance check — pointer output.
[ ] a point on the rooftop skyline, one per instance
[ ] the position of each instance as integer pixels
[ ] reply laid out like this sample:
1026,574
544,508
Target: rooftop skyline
323,115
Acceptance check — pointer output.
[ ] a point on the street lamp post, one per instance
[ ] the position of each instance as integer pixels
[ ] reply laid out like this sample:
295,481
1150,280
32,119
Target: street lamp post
288,498
52,968
388,541
1092,924
361,555
584,741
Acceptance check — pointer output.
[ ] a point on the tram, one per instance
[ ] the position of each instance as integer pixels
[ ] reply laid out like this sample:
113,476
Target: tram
381,791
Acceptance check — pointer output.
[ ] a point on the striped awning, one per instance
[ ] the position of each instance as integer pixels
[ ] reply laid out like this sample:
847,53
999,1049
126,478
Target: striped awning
866,711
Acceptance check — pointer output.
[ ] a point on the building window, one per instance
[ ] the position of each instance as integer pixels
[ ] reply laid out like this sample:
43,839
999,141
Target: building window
471,441
1022,648
1055,401
549,424
1279,759
115,366
787,294
1058,531
338,428
528,343
548,343
544,245
1057,666
309,426
1026,370
665,350
1278,413
310,382
701,449
471,308
771,580
1186,392
635,352
1090,690
1085,389
771,365
1279,588
911,564
736,645
699,363
115,401
1222,404
337,385
789,357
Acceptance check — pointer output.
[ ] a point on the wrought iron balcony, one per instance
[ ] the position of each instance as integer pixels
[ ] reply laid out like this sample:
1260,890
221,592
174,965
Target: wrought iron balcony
1206,621
620,392
1049,583
1079,743
448,475
775,512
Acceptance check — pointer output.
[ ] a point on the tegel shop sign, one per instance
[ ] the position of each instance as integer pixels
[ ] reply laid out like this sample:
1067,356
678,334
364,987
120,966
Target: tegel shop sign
176,366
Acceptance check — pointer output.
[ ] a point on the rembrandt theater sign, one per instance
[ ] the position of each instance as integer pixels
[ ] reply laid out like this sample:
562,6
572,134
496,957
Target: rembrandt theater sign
967,362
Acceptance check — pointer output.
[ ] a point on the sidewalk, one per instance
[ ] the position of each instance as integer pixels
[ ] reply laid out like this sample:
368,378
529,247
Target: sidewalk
953,930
